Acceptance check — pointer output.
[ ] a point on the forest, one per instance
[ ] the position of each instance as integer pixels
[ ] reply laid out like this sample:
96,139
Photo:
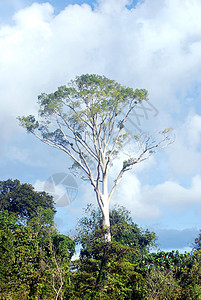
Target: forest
36,261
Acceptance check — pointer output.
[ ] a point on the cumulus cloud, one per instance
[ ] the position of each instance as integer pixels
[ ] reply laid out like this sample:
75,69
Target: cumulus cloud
147,202
129,195
175,195
145,46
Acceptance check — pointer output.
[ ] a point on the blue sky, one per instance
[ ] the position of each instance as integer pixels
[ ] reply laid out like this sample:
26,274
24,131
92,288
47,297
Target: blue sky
152,44
8,8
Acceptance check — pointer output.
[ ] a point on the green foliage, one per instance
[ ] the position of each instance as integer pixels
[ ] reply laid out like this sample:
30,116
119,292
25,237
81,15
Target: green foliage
126,265
20,257
34,258
171,275
104,271
108,270
126,232
100,95
63,246
190,277
30,121
22,201
35,262
128,163
85,109
123,229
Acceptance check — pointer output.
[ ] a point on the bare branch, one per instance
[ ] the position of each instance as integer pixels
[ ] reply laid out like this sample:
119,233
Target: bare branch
55,145
84,143
141,158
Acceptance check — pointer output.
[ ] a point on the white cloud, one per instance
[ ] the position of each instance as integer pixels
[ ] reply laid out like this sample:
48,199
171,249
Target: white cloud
174,195
129,194
147,202
149,47
194,129
184,154
34,17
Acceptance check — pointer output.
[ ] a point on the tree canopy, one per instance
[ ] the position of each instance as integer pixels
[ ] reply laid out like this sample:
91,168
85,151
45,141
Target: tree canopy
22,200
123,229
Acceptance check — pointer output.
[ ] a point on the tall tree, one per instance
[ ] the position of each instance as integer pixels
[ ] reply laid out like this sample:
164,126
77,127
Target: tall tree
86,120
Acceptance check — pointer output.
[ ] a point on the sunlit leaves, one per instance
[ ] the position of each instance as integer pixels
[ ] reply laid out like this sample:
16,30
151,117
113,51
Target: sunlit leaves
129,162
29,123
87,99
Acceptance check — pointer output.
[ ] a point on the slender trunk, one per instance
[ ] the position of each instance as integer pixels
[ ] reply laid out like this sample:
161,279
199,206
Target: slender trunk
103,201
106,223
105,211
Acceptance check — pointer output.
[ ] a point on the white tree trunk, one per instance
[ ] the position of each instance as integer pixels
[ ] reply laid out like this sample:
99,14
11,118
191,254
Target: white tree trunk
106,218
105,208
106,224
